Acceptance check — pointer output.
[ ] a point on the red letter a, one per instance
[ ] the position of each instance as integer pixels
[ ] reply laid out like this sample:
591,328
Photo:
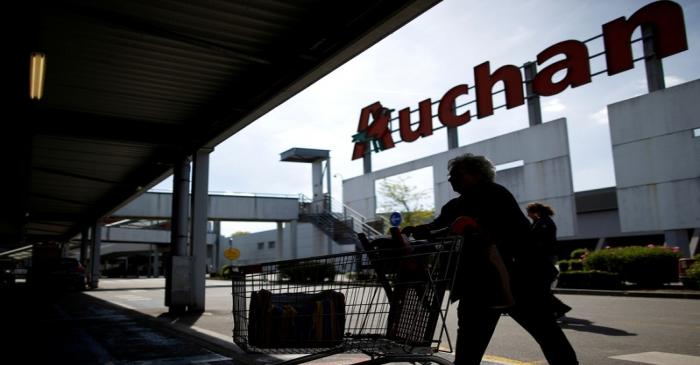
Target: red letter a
578,70
379,129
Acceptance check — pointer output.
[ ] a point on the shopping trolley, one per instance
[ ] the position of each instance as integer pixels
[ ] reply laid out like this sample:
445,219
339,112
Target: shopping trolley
388,302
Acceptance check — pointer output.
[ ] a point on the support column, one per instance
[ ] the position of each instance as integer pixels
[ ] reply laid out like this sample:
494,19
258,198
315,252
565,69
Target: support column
367,159
200,200
156,261
180,210
534,109
652,64
293,239
96,244
149,271
317,186
217,246
329,200
84,242
280,241
452,136
694,240
678,238
328,183
176,290
601,243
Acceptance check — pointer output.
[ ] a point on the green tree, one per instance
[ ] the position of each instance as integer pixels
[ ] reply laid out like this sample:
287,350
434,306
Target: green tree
405,199
239,234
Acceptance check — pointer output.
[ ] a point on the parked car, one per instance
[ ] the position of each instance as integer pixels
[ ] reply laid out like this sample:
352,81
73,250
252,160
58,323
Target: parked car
62,273
69,274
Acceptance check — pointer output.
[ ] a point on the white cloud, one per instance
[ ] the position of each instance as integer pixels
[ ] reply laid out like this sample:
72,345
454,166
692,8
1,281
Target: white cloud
424,59
601,116
227,228
670,80
553,105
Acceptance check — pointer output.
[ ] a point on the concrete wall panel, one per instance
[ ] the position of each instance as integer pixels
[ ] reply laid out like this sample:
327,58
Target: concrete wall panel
111,248
657,159
662,112
544,176
308,238
221,207
599,224
128,236
663,158
663,206
253,208
110,234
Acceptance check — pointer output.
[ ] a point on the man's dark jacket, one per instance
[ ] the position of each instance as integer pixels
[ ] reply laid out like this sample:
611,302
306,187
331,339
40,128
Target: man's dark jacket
500,222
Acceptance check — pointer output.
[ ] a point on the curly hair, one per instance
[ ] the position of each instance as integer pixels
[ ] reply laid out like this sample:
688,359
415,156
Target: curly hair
478,166
541,209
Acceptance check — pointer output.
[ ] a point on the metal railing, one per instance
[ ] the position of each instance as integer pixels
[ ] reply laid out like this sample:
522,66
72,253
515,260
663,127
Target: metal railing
340,212
234,193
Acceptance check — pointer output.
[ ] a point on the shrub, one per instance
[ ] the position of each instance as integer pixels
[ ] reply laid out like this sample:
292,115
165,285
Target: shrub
362,276
576,265
227,272
692,279
563,265
645,266
308,272
589,280
579,253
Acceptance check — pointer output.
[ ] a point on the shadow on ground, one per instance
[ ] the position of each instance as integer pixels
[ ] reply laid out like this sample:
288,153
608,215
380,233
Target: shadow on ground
584,325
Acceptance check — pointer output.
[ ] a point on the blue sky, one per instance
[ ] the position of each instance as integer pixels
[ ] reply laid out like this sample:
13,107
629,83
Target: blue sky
424,59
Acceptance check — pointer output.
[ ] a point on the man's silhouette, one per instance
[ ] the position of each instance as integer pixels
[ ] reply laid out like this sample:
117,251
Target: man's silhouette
481,282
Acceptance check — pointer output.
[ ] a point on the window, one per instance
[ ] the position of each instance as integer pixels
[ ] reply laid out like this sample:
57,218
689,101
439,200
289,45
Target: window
261,245
271,244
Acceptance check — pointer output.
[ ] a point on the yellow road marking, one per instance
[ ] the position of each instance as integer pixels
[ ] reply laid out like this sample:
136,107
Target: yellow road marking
505,361
498,359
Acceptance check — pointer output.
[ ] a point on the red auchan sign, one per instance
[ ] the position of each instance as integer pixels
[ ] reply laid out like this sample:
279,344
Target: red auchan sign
665,17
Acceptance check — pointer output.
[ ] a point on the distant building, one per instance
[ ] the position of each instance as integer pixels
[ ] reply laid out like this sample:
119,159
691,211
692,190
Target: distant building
263,246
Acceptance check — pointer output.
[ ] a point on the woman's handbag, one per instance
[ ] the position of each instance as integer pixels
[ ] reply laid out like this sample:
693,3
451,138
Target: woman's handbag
483,267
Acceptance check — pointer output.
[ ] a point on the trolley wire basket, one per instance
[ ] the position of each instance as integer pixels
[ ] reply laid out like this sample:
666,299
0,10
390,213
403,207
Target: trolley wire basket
387,302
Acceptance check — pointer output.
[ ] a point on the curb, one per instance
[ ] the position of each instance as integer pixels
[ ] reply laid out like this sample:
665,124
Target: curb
231,350
170,325
629,293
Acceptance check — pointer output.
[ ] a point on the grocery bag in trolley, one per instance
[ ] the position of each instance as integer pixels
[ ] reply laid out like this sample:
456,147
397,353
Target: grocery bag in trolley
294,320
384,302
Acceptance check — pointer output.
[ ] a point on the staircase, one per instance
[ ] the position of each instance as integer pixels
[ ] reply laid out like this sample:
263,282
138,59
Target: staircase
342,225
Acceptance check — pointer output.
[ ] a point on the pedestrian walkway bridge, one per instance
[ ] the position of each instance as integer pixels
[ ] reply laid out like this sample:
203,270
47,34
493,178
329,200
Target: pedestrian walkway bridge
223,207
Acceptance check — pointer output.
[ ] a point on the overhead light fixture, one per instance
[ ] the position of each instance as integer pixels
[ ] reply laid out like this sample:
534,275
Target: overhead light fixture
36,75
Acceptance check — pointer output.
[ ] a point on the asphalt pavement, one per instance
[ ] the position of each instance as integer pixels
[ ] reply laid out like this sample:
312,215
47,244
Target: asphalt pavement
125,322
615,330
54,327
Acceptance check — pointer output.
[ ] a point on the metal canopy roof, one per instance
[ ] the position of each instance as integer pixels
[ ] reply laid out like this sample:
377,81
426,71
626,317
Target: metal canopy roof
131,86
304,155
